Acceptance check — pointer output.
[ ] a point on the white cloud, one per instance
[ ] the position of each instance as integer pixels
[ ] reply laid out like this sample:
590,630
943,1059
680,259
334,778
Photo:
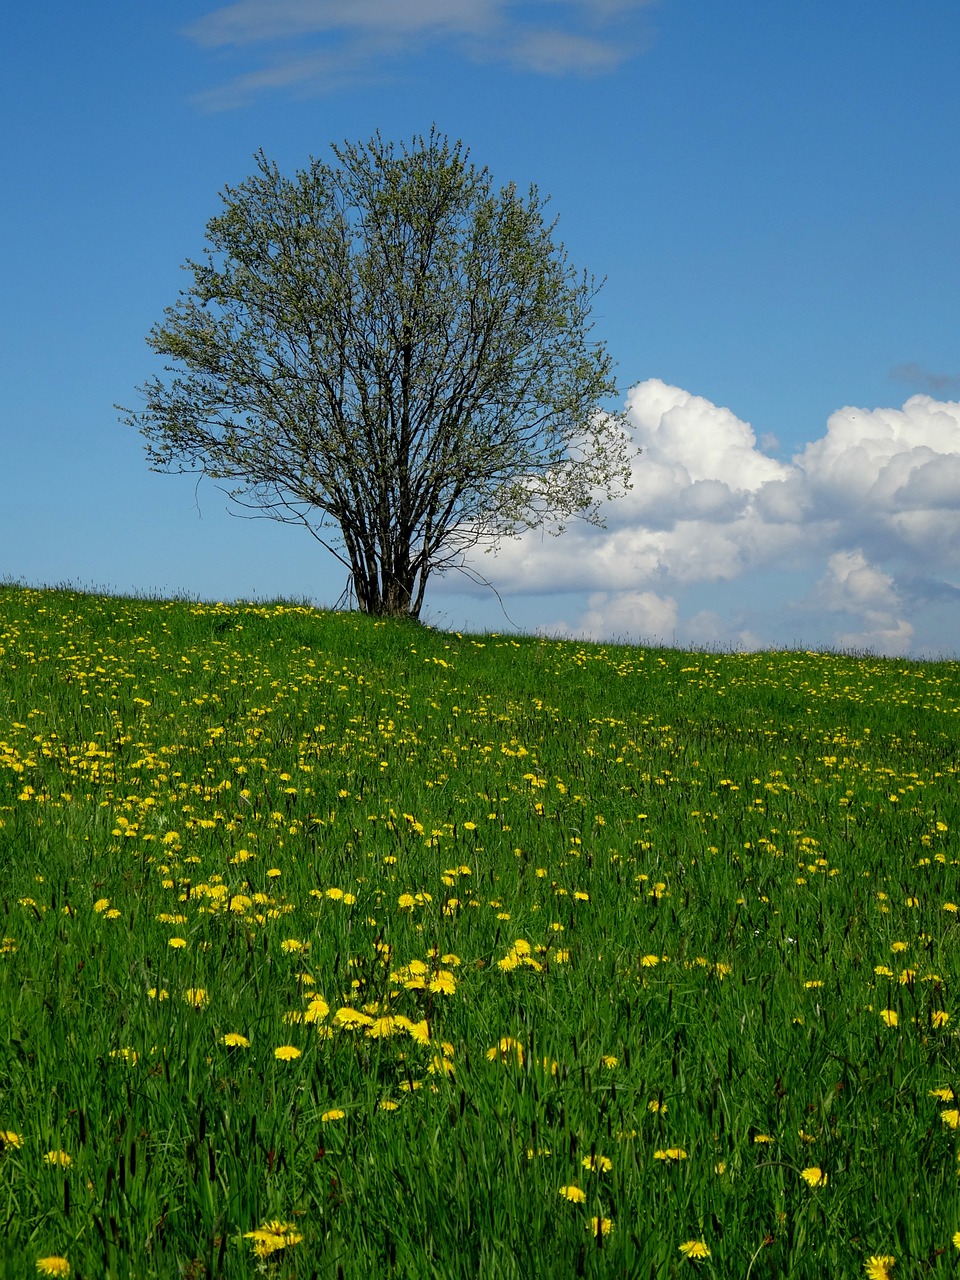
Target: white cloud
630,616
857,533
314,46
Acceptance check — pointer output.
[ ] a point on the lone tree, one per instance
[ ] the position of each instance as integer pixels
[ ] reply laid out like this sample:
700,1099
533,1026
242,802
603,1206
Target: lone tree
392,354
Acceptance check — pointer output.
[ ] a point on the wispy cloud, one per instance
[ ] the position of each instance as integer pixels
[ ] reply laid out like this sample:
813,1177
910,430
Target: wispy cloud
316,46
916,375
852,538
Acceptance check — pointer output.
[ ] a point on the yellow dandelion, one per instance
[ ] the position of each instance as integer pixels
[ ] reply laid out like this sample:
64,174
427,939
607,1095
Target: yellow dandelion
292,945
597,1164
574,1194
381,1027
814,1176
694,1250
939,1018
234,1040
951,1118
347,1017
53,1266
762,1138
879,1267
670,1153
600,1226
196,996
609,1061
329,1116
59,1157
272,1237
443,982
316,1010
944,1093
420,1031
507,1050
388,1104
177,943
286,1052
655,1105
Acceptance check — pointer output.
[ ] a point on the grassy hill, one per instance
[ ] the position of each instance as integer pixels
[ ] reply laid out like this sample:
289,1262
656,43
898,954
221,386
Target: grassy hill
340,947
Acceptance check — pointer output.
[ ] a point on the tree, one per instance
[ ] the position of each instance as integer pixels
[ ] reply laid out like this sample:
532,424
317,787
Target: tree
392,354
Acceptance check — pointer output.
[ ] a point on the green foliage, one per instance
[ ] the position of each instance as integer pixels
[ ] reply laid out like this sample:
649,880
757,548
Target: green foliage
694,915
393,354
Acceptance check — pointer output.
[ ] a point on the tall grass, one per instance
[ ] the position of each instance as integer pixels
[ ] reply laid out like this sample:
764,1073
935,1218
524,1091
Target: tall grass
539,959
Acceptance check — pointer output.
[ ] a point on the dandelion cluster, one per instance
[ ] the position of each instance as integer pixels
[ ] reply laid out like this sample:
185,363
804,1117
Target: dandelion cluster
324,935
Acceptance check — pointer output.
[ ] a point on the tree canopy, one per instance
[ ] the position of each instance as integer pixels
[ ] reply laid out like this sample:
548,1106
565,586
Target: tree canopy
392,353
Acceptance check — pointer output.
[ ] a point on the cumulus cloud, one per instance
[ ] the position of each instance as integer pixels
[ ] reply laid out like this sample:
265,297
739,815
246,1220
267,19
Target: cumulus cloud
629,614
850,538
315,46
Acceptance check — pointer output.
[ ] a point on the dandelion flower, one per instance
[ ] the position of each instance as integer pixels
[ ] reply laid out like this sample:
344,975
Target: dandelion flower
600,1226
610,1061
944,1093
335,1114
597,1164
879,1267
506,1049
694,1249
347,1017
53,1266
443,982
9,1139
951,1118
573,1193
177,943
234,1040
272,1237
381,1027
286,1052
196,996
814,1176
670,1153
316,1010
59,1157
939,1018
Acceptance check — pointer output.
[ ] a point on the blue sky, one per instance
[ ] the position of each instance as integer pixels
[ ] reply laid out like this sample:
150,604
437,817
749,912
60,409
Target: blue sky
771,191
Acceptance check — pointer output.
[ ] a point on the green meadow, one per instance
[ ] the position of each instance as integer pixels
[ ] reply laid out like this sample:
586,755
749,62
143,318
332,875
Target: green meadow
334,947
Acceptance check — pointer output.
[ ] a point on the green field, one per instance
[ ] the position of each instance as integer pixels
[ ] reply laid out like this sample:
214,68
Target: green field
335,947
